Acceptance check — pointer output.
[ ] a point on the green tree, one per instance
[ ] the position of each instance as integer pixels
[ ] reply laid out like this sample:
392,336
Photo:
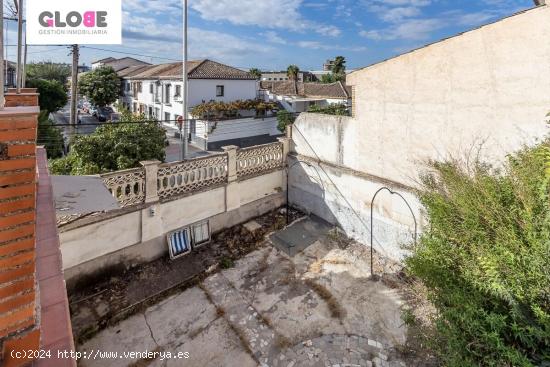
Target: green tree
255,73
339,66
52,94
49,136
113,147
292,72
484,258
284,118
101,86
49,71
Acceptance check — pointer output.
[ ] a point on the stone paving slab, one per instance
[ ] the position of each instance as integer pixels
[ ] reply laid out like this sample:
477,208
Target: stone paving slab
244,317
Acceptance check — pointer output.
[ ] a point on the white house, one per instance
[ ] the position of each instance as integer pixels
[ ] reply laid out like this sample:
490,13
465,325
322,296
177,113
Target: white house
297,97
156,91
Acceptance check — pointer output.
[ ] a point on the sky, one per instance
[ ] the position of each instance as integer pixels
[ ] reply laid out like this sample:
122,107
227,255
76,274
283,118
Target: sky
272,34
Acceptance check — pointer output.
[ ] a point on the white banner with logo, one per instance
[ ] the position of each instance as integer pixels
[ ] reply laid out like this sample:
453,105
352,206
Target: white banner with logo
66,22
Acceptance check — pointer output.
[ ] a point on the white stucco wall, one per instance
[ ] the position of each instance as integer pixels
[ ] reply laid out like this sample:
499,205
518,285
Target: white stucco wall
93,242
199,90
490,86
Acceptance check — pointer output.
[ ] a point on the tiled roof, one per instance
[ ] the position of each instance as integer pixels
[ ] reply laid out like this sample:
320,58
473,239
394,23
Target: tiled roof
292,88
203,69
125,62
104,60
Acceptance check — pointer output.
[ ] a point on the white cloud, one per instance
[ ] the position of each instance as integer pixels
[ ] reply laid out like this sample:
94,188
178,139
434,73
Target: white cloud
273,37
281,14
398,14
315,45
412,29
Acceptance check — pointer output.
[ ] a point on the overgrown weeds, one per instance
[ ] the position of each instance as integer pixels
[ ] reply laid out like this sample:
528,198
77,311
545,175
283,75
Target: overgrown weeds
334,306
484,259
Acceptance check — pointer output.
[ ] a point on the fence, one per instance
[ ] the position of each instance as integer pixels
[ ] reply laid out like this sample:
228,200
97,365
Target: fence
161,181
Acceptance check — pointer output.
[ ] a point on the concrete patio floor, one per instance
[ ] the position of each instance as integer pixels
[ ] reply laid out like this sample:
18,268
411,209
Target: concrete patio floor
264,311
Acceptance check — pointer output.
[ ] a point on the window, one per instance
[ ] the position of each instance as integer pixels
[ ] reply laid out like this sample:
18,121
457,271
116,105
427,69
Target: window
157,113
167,91
178,91
201,234
179,243
150,112
151,88
166,117
127,87
140,87
220,90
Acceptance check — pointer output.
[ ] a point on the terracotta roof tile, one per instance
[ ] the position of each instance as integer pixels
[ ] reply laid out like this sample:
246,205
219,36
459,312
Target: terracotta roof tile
291,88
202,69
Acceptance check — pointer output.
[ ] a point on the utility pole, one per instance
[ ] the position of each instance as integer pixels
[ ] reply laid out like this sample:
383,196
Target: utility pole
24,75
19,44
185,128
74,86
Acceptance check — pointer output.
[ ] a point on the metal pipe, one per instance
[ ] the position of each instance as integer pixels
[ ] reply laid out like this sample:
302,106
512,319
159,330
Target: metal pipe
184,131
19,45
24,74
372,229
4,62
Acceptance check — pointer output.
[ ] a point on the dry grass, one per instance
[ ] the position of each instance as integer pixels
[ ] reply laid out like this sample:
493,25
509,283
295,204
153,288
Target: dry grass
282,342
263,264
334,306
241,334
290,275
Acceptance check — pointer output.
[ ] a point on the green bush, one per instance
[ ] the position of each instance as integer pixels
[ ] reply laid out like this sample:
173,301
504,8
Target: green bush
113,147
49,136
332,109
485,259
284,118
52,94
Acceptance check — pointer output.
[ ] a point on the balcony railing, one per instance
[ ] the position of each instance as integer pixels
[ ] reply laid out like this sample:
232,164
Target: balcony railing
162,181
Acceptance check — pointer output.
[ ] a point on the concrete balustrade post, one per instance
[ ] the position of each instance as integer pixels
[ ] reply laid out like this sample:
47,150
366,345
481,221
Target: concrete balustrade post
232,194
231,151
151,176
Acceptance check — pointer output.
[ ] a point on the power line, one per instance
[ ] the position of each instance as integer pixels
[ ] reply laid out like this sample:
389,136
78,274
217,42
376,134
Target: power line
130,53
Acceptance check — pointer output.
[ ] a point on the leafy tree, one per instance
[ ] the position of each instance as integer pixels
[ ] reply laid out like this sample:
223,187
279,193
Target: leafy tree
284,118
292,72
50,136
332,109
101,86
484,259
339,65
337,72
52,94
49,71
255,72
114,147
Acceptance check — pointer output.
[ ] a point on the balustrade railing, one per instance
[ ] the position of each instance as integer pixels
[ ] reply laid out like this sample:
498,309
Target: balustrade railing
258,159
136,186
191,175
128,186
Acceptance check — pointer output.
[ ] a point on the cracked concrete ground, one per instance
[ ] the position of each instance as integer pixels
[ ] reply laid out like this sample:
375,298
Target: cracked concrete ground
262,312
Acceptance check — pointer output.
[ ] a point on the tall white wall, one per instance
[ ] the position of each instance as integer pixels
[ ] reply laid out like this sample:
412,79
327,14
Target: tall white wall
490,86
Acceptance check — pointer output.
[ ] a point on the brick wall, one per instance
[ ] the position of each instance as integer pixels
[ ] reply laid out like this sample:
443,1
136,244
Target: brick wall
18,294
27,97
